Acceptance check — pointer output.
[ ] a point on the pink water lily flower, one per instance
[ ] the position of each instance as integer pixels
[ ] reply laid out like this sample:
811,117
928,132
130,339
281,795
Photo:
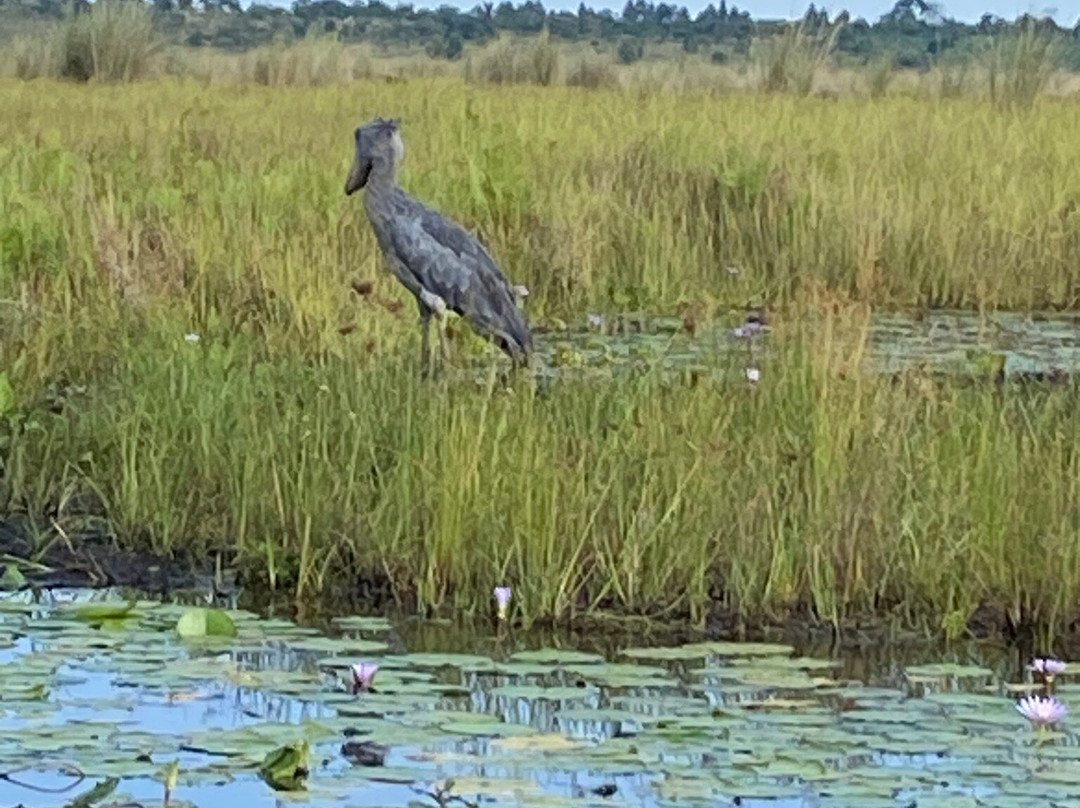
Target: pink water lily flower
1042,712
363,676
502,600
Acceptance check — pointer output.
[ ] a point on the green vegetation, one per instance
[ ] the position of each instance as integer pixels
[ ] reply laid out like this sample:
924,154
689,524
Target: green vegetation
295,437
330,40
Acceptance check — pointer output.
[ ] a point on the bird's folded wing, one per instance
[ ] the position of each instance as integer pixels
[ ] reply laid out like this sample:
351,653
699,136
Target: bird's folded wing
447,261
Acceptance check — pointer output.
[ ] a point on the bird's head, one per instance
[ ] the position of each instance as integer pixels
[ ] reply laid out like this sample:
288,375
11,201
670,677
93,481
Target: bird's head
378,147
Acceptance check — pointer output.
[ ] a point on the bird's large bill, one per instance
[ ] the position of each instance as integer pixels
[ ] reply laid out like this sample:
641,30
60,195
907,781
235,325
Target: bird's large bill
358,177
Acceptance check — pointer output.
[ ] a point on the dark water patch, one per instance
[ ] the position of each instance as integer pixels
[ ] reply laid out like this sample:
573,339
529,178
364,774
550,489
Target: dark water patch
956,341
1042,347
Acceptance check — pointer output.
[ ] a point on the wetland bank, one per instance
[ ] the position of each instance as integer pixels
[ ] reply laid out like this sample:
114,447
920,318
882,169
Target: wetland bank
203,359
207,393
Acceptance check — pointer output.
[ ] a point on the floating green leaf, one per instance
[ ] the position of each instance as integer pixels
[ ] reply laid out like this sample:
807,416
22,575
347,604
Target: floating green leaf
96,613
465,662
361,623
199,622
286,768
556,656
338,645
535,693
495,729
11,578
96,794
704,650
946,670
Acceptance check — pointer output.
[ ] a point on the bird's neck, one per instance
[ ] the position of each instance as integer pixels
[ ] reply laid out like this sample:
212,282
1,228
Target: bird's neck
383,178
379,197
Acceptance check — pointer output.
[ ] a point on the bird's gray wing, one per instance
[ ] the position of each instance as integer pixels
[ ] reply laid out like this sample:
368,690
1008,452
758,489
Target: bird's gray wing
449,262
467,248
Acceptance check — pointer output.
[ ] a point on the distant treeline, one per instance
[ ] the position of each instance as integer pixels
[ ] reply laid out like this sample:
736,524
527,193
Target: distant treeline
913,34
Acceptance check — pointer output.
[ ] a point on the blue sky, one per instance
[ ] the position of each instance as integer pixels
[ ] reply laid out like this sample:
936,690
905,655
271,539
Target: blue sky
1066,12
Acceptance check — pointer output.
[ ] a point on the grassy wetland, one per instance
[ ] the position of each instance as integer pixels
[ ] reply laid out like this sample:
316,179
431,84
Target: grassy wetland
202,351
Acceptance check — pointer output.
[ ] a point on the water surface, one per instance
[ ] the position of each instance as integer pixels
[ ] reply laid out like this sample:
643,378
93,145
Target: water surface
513,719
948,341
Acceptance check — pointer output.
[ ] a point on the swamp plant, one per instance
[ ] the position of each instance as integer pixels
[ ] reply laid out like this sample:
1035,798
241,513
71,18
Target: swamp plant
294,440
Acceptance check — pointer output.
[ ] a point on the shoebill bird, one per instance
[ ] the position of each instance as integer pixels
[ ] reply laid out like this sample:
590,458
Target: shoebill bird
441,263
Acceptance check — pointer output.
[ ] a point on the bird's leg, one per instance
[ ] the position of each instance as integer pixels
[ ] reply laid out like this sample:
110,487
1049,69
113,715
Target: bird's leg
444,342
437,306
425,343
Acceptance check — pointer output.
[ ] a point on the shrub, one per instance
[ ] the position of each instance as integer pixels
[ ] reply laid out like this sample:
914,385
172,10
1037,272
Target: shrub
629,51
593,74
507,61
114,40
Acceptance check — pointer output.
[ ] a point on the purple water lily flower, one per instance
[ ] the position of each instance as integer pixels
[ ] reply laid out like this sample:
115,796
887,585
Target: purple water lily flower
502,599
1047,667
1042,712
363,675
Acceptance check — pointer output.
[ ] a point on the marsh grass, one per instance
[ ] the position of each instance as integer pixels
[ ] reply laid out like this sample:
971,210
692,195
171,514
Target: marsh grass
32,55
313,62
111,41
516,60
791,61
296,438
592,73
117,41
1020,66
953,81
880,75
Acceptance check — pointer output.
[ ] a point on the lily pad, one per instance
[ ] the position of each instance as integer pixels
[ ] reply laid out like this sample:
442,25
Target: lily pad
11,578
338,645
201,622
533,693
704,650
946,670
362,623
557,656
495,729
465,662
286,768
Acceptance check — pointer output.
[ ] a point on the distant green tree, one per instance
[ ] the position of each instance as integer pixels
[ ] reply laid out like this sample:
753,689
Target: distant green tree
914,30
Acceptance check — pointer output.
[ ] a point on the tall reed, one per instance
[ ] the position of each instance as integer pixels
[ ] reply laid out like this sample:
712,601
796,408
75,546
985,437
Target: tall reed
1020,66
114,40
789,62
295,437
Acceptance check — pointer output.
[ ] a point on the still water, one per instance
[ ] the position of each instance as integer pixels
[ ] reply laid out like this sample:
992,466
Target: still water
512,719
